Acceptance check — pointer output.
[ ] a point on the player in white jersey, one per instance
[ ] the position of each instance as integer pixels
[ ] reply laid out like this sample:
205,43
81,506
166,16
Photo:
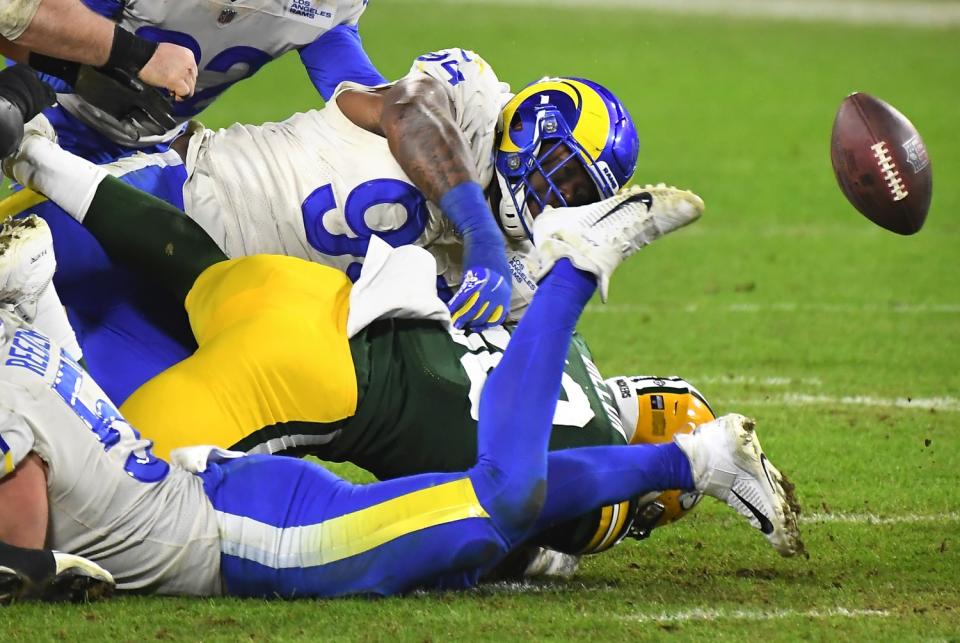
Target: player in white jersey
413,162
107,497
230,42
382,160
319,184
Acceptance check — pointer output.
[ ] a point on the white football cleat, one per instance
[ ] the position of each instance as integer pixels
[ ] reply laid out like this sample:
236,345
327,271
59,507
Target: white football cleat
728,464
551,563
27,263
597,237
37,128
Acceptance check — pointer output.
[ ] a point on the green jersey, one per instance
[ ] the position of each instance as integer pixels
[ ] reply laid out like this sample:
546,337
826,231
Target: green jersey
420,389
418,397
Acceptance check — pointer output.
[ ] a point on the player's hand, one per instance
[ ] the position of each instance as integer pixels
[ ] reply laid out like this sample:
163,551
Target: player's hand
171,67
483,300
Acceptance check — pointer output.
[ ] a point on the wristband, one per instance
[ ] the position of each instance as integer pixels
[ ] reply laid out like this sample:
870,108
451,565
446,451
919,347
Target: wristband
65,70
129,53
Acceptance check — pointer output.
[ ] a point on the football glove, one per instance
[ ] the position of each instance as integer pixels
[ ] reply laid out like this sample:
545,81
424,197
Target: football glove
482,301
135,108
22,96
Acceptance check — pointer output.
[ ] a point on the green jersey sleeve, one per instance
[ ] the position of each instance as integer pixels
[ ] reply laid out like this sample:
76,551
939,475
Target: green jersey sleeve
420,391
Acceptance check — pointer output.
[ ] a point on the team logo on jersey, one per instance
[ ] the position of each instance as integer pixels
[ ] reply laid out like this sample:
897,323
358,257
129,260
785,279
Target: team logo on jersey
318,13
226,16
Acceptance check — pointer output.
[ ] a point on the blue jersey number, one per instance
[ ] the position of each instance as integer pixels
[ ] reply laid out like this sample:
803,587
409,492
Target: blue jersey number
450,63
362,198
105,421
247,60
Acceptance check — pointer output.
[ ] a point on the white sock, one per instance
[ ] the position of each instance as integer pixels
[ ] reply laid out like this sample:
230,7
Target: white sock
66,179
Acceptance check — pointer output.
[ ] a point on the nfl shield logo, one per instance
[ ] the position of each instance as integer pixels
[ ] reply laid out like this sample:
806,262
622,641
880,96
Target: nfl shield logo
916,154
226,16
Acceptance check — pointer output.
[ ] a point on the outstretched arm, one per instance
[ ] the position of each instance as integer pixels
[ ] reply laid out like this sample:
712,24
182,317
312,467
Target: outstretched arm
336,56
61,28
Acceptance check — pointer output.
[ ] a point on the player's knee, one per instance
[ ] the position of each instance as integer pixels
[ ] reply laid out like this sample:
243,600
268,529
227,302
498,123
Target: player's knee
517,508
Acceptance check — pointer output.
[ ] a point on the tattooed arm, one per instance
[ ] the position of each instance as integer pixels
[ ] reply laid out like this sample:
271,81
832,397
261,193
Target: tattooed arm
416,117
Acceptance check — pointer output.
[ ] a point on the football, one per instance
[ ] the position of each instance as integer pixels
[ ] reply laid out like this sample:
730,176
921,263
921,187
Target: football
881,163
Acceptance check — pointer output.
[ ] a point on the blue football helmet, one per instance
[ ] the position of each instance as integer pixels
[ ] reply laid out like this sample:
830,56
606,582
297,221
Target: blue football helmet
587,118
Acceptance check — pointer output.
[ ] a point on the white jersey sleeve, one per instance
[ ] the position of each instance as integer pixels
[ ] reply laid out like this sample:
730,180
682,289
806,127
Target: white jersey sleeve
16,16
475,92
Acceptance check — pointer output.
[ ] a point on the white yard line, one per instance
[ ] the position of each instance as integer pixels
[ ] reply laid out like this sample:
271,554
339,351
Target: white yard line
720,614
855,12
751,380
947,404
778,307
873,519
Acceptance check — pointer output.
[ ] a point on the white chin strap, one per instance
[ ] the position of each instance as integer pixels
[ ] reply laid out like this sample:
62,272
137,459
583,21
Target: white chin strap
510,219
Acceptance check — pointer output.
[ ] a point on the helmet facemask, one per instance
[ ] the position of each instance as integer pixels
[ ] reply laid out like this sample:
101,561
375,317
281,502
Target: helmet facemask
553,114
523,168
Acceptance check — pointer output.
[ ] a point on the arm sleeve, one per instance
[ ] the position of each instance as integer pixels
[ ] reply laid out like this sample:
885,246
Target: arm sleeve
338,56
16,439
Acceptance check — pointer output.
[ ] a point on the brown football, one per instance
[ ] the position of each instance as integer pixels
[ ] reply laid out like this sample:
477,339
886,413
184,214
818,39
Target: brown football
881,163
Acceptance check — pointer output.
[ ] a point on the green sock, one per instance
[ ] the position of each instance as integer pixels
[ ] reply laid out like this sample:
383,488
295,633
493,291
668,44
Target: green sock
150,236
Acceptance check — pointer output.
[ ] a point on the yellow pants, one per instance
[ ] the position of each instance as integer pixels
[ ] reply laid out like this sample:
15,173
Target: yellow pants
273,348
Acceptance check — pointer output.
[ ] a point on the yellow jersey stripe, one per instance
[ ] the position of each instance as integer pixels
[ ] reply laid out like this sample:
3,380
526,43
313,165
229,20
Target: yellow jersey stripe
351,534
7,462
18,202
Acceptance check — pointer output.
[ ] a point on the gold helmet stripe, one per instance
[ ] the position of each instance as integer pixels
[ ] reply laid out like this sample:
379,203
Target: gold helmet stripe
592,127
613,518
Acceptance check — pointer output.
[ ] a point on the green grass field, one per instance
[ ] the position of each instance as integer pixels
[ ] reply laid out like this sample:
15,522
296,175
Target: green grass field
783,303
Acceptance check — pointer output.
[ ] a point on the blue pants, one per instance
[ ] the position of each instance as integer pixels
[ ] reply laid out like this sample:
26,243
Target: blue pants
291,528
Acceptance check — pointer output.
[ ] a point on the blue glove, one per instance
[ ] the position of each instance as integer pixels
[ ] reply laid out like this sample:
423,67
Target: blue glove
484,296
483,300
